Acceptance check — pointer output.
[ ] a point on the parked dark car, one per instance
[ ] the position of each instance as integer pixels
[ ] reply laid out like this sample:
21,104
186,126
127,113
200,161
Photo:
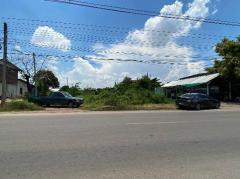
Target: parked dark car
58,99
197,101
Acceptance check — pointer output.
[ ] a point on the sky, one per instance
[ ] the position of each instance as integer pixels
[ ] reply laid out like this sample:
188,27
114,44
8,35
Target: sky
74,40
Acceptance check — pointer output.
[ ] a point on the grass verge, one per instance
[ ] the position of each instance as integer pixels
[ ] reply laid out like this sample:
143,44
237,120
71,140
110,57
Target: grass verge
95,107
20,106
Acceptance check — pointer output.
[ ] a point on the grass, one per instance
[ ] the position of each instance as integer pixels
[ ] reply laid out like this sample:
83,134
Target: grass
130,99
129,94
20,105
100,107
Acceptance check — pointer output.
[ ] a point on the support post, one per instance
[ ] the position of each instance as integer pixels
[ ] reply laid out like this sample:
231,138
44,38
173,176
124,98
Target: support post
4,66
35,72
230,91
208,90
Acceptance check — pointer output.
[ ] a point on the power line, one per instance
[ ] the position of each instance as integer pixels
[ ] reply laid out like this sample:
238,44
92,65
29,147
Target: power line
164,34
144,12
71,58
89,50
125,44
96,39
102,28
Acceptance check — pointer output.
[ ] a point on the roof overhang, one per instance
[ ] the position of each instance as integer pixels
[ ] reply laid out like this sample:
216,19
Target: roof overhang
10,65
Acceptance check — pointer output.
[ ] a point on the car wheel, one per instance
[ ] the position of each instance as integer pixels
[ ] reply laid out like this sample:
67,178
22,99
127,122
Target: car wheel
198,107
70,105
217,106
179,107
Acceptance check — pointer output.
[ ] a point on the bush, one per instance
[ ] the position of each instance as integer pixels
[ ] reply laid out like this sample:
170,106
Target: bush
124,94
20,106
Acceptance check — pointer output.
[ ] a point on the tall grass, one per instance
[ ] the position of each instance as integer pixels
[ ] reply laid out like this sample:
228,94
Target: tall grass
124,95
20,106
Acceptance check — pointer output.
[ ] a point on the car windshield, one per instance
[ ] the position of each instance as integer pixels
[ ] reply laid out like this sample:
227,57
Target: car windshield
66,94
189,96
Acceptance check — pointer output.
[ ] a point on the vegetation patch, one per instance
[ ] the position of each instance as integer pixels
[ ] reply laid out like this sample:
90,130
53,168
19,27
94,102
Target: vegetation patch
19,105
127,95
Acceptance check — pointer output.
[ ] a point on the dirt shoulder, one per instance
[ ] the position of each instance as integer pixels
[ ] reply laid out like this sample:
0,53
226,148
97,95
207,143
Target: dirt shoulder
230,107
145,108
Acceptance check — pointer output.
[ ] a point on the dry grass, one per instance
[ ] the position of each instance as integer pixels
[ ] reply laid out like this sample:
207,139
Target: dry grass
170,106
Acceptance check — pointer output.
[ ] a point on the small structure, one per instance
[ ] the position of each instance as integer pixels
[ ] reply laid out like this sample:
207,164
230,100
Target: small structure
201,83
15,86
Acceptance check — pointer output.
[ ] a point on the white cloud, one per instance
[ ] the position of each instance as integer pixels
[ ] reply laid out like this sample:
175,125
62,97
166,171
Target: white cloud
18,48
215,10
47,37
110,72
52,64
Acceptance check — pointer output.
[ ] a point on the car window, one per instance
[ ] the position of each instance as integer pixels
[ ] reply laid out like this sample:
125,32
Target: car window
57,95
186,96
189,96
67,94
203,96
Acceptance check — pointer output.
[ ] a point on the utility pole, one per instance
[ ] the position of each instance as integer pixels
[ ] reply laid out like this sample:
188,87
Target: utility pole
4,65
34,69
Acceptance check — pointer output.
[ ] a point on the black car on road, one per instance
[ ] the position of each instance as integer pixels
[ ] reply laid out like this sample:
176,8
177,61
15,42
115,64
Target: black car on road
58,99
197,101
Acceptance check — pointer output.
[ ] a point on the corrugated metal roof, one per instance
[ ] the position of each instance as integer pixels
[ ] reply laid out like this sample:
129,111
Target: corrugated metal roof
192,81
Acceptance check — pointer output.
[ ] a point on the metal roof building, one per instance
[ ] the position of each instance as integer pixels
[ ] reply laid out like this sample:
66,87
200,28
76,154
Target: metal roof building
192,81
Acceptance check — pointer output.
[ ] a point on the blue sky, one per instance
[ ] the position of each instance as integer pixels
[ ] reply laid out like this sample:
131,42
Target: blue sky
103,74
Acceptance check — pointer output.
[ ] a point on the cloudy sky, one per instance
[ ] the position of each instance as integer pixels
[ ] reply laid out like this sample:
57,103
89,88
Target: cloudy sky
74,40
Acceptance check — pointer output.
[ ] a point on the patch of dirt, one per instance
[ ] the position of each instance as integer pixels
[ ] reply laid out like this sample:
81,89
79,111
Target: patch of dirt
63,110
230,106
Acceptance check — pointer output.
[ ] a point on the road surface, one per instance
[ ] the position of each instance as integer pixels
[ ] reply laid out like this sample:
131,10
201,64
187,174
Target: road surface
121,145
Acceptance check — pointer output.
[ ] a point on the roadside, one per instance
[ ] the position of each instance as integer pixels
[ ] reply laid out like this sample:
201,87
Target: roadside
163,106
147,107
226,107
21,106
230,106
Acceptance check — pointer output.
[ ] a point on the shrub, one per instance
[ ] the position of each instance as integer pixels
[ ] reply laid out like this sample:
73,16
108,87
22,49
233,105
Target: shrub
20,106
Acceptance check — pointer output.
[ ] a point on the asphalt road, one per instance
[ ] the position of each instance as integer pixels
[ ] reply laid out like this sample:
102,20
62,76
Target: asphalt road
121,145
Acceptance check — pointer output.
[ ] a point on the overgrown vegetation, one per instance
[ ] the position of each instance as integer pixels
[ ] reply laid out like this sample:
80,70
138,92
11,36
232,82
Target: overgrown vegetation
45,79
228,67
20,106
128,94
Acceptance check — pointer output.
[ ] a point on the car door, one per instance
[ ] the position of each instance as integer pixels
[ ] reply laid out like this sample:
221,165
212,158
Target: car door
58,99
204,101
212,102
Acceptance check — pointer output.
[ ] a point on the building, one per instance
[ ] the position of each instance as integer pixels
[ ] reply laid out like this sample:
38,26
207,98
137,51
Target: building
200,83
15,86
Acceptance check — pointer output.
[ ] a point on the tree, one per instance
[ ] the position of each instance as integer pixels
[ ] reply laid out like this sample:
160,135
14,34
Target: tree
147,83
25,63
46,79
74,90
229,66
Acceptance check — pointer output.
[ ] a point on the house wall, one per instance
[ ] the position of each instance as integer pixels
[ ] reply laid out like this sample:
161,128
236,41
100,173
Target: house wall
13,90
12,75
21,89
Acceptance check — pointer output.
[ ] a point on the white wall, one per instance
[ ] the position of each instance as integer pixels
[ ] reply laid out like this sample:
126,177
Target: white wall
13,90
24,88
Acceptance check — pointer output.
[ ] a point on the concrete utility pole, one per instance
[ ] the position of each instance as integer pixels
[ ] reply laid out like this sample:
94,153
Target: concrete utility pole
35,72
4,65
